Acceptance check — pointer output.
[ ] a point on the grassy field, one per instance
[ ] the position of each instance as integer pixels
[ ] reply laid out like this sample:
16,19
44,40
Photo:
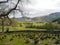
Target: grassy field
29,38
18,25
32,26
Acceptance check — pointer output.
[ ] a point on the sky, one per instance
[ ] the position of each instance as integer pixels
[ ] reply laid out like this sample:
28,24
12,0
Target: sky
43,7
39,7
2,0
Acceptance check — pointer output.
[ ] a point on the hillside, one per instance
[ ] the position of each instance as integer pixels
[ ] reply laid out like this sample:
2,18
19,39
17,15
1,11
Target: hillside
48,18
24,19
57,20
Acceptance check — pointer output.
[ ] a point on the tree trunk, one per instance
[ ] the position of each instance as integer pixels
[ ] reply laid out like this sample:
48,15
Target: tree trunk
2,25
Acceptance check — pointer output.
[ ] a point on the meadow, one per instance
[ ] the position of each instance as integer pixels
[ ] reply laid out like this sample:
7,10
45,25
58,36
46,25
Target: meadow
19,25
31,26
29,38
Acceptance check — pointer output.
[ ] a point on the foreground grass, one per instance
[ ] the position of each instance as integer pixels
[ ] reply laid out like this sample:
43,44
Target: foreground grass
25,38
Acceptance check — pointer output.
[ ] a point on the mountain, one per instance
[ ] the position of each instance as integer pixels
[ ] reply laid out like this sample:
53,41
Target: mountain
24,19
48,18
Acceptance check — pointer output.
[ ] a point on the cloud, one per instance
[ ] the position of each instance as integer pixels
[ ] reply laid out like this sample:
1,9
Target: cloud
40,7
44,4
43,7
3,0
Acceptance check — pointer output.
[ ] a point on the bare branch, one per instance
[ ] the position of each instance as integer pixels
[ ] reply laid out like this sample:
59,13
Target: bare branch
13,8
2,15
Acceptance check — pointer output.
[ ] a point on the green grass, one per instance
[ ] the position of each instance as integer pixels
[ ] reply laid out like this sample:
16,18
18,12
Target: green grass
18,25
22,39
17,28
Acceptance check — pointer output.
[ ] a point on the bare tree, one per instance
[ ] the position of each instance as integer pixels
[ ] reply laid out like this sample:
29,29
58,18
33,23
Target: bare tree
5,14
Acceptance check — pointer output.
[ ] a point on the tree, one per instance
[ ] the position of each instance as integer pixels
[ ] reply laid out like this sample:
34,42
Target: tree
4,13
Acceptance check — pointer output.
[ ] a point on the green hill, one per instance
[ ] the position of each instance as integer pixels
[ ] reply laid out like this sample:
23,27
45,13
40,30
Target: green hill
57,20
